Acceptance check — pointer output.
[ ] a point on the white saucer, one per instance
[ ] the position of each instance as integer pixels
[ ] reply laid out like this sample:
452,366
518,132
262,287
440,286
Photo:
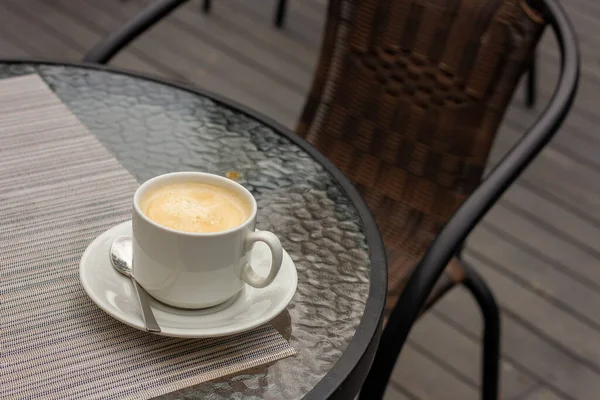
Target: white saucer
114,293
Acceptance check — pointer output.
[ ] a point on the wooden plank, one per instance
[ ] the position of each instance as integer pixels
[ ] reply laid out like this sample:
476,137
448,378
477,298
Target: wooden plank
215,84
103,25
317,4
576,230
542,393
393,393
590,3
178,66
52,23
586,97
575,138
578,260
427,380
36,41
558,370
569,141
297,26
71,31
243,49
549,51
589,82
583,116
548,48
584,15
574,335
309,11
554,198
170,32
203,63
569,180
278,41
555,175
9,49
463,355
556,284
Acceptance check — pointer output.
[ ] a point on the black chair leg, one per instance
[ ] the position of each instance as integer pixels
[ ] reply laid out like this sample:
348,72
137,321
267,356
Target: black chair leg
530,94
491,334
280,13
206,6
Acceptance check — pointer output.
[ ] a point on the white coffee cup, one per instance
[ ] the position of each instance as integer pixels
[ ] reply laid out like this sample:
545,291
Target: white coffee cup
197,270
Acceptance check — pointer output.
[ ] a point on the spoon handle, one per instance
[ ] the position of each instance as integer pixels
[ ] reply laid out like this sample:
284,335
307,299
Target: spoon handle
147,314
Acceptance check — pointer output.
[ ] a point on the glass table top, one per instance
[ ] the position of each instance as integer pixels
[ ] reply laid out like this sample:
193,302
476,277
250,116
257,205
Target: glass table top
154,128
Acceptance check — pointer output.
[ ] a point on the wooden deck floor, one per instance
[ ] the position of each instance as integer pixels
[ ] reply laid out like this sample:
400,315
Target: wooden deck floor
538,248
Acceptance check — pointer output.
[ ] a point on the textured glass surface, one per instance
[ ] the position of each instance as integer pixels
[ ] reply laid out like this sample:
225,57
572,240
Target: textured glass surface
153,128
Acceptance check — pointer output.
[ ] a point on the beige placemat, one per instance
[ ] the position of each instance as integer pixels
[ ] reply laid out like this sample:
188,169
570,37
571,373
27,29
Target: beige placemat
59,189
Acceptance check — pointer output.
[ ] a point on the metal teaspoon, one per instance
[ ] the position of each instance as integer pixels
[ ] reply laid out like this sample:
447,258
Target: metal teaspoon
121,259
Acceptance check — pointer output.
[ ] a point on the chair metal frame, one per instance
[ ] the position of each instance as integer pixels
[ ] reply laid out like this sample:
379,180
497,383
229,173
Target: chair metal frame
449,241
278,19
531,89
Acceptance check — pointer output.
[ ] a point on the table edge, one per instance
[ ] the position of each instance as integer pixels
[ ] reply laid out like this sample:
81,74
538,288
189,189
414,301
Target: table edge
368,328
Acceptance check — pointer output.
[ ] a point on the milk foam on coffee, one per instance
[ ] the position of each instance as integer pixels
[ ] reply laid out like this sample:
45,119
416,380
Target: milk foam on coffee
195,207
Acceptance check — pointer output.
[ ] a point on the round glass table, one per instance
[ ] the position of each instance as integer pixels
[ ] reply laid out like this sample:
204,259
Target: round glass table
154,127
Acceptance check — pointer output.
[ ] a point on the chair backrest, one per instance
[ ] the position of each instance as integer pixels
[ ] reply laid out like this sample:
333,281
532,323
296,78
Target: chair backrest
407,98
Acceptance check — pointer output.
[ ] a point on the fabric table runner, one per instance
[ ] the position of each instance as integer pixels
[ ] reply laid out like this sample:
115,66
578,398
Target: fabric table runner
59,189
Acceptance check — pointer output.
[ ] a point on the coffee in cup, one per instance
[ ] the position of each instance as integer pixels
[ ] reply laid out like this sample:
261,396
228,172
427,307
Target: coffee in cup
192,239
195,207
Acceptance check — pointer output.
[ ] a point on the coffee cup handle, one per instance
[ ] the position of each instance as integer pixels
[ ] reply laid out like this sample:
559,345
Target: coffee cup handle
248,274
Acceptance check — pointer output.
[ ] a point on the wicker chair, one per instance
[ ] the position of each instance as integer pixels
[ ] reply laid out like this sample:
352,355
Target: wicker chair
406,101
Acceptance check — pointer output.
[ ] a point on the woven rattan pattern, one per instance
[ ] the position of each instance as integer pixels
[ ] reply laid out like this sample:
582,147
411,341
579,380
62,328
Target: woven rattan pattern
407,98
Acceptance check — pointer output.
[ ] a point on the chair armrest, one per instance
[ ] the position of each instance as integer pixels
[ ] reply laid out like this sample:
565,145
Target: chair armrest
477,204
102,52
